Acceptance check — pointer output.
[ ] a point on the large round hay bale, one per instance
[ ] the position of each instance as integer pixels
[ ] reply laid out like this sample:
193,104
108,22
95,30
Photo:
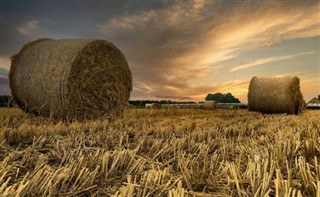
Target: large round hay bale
71,79
275,95
210,104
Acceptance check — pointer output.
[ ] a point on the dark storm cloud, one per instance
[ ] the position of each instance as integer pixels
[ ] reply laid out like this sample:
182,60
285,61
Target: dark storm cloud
23,21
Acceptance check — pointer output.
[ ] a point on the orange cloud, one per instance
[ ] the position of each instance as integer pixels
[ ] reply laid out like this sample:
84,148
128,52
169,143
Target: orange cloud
310,85
5,63
268,60
173,48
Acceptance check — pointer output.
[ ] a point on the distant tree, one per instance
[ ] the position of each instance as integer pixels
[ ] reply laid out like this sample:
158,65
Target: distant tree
222,98
319,97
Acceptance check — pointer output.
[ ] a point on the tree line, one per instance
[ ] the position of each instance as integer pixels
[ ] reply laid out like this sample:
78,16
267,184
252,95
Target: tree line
6,101
219,97
142,103
222,98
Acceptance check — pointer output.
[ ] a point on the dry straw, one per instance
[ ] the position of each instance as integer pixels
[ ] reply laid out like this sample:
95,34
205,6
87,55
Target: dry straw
275,95
71,79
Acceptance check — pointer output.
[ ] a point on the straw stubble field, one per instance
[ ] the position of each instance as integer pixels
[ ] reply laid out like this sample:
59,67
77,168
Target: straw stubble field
166,152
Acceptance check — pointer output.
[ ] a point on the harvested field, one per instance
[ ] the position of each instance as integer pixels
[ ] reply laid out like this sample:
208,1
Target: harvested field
181,152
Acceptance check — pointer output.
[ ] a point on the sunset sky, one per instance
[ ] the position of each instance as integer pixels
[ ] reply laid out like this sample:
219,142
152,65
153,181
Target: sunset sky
181,50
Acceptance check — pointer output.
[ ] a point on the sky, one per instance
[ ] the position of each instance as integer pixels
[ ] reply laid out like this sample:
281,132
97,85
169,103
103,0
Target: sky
181,50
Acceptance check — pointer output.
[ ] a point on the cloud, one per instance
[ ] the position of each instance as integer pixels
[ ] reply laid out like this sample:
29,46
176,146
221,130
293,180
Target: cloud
310,85
29,28
171,47
268,60
239,88
4,64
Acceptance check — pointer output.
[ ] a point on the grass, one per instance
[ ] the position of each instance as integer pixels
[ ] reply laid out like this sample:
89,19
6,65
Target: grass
167,152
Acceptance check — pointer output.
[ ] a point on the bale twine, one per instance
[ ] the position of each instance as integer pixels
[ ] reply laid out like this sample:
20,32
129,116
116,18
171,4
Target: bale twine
71,79
275,95
210,104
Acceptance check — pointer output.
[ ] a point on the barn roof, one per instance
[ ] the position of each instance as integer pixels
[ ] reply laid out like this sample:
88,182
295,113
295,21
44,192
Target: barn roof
314,100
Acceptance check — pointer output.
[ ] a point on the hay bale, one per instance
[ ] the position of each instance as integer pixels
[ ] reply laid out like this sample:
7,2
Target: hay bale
129,106
155,106
71,79
275,95
210,104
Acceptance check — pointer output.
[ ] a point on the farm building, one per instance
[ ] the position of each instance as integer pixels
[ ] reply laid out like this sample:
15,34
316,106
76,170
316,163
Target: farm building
191,105
183,105
314,103
232,105
173,106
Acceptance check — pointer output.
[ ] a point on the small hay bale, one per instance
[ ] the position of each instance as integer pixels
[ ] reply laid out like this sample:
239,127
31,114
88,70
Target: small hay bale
275,95
155,106
210,104
129,106
71,79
